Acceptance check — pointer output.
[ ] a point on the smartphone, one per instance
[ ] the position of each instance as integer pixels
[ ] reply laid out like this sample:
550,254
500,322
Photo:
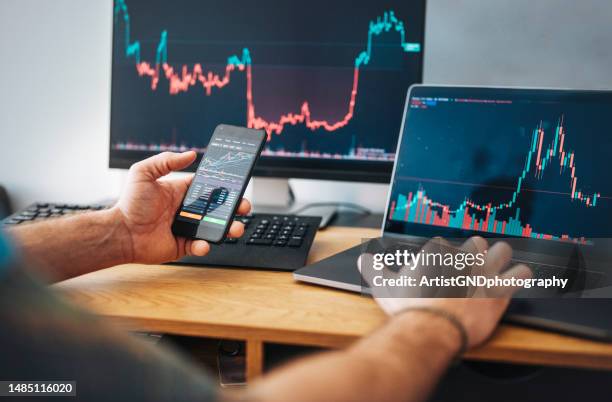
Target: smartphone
211,201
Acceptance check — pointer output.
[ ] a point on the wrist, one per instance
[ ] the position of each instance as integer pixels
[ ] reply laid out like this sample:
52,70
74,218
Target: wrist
122,237
411,339
433,329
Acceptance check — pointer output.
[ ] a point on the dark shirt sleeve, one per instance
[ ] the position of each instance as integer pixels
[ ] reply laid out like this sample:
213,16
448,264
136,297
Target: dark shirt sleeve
44,338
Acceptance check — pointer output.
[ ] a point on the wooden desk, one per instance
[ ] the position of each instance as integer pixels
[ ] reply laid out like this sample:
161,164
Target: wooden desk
262,306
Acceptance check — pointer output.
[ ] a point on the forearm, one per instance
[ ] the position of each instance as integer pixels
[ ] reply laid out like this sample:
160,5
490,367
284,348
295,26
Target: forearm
402,361
75,245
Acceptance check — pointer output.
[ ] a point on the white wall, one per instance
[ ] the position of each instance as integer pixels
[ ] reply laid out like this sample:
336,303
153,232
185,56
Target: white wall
54,100
55,69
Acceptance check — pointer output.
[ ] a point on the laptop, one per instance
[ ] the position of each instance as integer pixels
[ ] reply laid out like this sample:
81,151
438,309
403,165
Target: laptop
526,165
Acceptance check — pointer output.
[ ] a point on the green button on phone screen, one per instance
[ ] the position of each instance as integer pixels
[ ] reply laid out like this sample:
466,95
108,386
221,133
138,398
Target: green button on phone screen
214,220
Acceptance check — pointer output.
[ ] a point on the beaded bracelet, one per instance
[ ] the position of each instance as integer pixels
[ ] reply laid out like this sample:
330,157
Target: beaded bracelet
450,317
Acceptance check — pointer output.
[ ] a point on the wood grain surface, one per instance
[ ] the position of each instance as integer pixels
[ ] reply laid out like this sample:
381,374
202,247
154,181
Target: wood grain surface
264,306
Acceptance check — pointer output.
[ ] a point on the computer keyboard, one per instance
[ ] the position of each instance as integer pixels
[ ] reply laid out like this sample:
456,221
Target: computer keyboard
279,242
46,210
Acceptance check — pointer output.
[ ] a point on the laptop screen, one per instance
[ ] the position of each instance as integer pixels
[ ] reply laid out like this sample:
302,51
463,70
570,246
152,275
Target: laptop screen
504,162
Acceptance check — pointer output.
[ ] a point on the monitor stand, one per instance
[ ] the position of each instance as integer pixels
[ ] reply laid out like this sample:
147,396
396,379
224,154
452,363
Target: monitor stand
273,195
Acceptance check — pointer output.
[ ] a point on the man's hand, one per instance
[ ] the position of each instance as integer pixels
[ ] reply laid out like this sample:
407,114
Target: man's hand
148,205
136,229
479,311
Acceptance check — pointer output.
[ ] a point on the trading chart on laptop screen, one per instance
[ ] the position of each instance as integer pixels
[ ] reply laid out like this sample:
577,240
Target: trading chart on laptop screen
524,163
324,79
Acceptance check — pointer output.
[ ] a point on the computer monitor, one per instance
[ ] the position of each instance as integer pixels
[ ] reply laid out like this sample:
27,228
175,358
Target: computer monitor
529,164
325,79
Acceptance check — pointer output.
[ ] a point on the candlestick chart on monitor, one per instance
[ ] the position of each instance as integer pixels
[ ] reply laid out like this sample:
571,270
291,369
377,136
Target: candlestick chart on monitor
506,165
323,79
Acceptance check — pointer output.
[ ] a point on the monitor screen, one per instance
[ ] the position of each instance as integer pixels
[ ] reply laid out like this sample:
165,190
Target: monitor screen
504,162
326,81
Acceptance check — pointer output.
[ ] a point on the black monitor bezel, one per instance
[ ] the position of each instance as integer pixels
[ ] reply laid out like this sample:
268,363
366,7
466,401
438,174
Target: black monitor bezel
371,172
281,167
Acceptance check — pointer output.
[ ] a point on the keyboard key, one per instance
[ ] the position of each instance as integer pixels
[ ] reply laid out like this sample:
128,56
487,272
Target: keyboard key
294,243
259,242
269,236
279,243
231,240
256,235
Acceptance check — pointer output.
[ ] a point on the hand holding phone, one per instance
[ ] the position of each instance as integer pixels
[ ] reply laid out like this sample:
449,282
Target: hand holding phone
213,197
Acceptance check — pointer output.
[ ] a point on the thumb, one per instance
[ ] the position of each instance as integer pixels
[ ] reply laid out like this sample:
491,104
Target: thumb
162,164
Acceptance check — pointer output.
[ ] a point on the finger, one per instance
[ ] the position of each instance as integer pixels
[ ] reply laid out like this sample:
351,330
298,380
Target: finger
438,245
197,248
370,268
365,266
236,229
441,246
179,186
437,241
180,246
429,264
498,257
474,245
162,164
364,260
184,185
520,271
187,180
245,207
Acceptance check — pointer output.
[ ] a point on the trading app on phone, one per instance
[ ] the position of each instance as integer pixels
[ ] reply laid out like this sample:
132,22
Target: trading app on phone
218,182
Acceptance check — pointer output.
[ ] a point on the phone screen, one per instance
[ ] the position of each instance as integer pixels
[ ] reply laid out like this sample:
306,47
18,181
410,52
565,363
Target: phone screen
219,183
